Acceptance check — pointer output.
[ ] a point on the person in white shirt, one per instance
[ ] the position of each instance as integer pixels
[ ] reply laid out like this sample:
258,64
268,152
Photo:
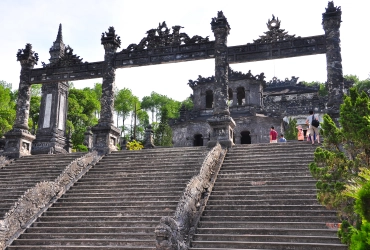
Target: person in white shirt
313,129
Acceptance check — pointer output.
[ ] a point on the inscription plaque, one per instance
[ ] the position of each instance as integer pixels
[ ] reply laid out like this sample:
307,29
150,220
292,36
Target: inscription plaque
47,111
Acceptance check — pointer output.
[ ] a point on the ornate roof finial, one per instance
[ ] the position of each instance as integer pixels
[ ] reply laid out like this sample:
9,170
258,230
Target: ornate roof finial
110,38
332,11
27,56
275,34
220,22
59,36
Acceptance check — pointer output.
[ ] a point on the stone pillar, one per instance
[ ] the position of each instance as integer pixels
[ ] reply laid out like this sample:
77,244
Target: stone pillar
88,138
221,123
247,96
235,98
18,141
331,20
105,134
149,140
51,131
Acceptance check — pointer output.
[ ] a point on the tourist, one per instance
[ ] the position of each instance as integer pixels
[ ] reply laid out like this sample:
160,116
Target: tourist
273,135
282,139
313,131
300,134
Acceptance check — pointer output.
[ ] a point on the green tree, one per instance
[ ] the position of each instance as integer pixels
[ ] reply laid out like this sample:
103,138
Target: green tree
35,103
155,103
346,152
323,91
7,107
98,88
82,107
163,133
124,104
291,131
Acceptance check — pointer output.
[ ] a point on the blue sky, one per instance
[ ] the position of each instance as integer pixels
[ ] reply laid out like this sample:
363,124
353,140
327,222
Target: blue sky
83,21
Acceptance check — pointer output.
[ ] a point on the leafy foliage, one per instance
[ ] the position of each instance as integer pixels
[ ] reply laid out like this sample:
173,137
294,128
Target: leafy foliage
134,145
163,133
125,103
323,91
291,132
82,107
342,166
7,108
35,107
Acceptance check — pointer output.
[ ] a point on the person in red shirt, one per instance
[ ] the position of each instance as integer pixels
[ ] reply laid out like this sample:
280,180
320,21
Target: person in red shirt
273,135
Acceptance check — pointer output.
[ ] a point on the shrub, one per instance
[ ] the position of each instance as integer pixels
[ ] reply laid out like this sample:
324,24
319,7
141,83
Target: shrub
134,145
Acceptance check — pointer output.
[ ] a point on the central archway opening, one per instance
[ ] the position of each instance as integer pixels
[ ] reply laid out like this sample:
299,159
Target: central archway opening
246,137
198,140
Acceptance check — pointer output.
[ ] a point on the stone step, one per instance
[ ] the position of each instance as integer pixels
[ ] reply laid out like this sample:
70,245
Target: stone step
270,237
114,202
122,214
283,202
272,191
86,242
262,182
131,236
97,224
132,210
258,186
268,212
102,229
68,247
226,245
122,197
120,192
266,196
262,222
130,177
266,231
263,206
50,217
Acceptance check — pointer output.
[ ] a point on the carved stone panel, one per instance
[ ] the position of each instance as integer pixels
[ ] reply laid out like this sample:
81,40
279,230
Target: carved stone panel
47,113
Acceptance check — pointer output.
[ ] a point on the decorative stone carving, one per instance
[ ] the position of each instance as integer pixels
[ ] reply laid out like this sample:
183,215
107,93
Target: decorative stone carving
275,34
149,140
161,37
110,38
67,59
175,233
232,75
4,161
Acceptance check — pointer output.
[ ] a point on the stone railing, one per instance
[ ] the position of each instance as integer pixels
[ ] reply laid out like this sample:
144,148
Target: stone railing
174,233
39,198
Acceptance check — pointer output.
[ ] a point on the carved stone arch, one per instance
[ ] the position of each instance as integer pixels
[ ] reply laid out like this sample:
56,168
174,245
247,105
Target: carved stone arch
209,99
245,137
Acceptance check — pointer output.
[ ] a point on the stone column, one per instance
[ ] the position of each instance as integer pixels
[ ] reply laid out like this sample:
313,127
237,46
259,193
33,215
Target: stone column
331,20
51,131
106,135
149,140
247,97
235,98
18,141
221,123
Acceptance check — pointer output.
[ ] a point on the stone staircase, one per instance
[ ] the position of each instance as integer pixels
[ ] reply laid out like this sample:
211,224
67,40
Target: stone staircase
118,203
26,172
265,198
